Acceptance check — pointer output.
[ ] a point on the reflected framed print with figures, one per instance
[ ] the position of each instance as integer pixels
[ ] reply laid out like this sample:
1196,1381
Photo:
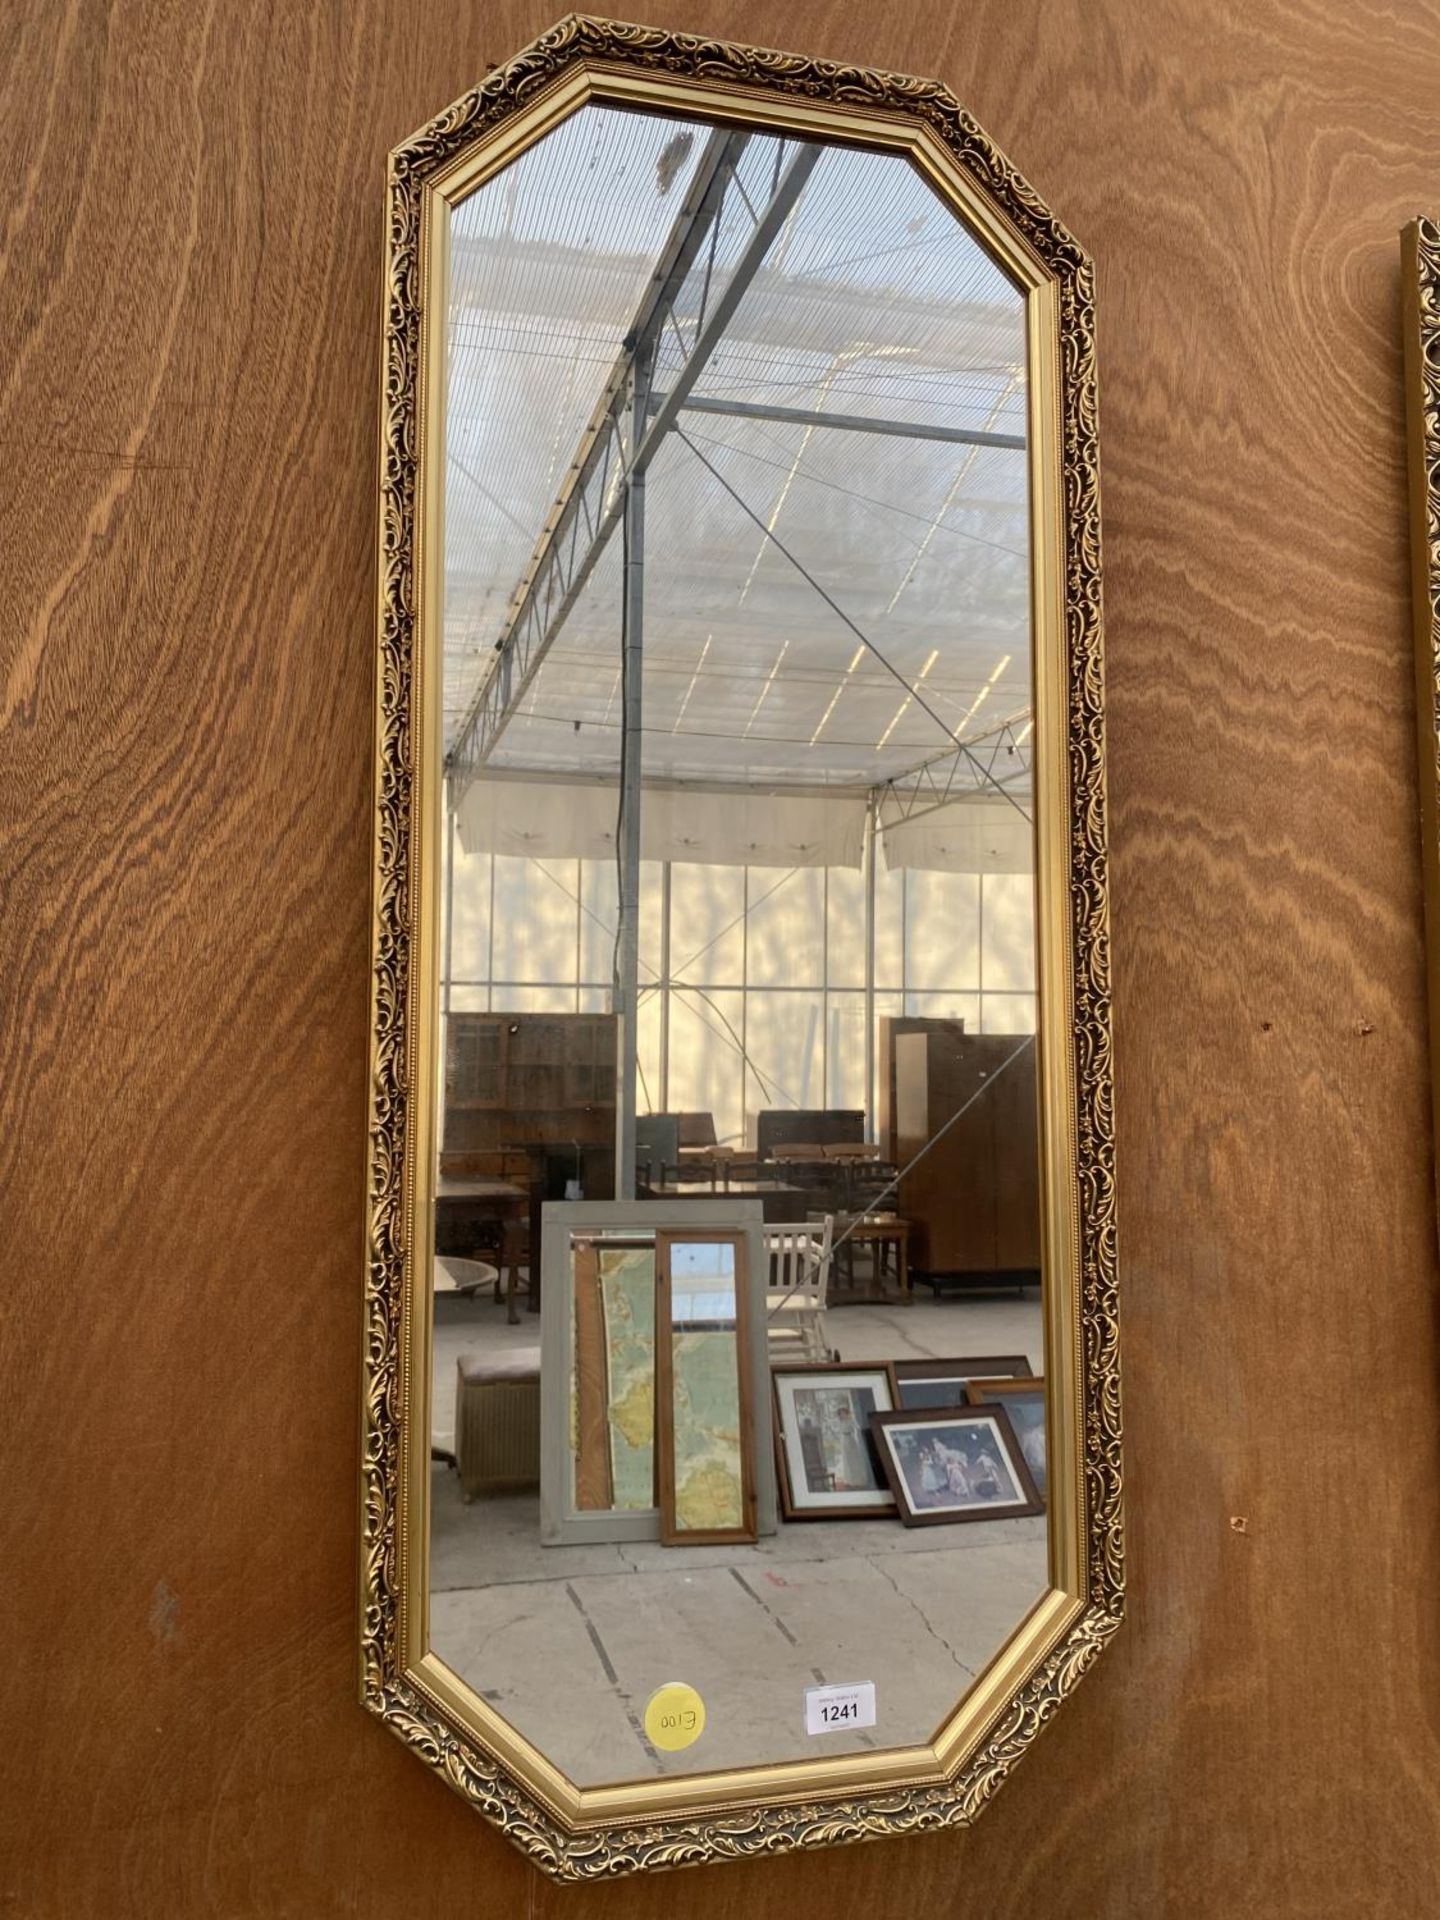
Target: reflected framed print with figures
948,1466
1024,1403
740,952
829,1469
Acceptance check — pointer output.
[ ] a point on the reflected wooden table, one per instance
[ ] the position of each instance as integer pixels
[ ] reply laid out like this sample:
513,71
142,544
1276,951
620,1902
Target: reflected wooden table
464,1201
455,1274
779,1199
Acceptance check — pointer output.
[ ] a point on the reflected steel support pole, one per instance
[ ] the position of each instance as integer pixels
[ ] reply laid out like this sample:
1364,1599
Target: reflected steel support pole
664,1088
627,946
452,824
452,829
592,502
871,1112
852,422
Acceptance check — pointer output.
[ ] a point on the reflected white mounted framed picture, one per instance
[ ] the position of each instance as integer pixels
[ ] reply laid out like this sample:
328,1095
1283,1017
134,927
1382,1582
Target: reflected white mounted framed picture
829,1469
606,1440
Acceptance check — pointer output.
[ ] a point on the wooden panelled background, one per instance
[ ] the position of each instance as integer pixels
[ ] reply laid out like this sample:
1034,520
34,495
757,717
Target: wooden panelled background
190,229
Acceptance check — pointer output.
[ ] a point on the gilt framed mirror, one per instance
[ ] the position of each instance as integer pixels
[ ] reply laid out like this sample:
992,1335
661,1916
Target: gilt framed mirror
1420,304
740,1048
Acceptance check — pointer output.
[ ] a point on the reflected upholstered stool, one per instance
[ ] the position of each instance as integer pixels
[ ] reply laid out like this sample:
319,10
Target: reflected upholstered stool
497,1421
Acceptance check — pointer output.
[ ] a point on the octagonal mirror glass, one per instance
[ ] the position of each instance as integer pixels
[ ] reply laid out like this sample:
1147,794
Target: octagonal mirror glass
742,1439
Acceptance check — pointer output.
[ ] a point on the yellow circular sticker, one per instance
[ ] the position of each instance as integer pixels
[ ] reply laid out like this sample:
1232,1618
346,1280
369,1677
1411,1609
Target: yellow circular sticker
674,1717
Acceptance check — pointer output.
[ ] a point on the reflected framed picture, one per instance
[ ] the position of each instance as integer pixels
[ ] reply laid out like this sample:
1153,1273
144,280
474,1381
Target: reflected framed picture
943,1383
948,1466
828,1465
702,1402
600,1446
1024,1402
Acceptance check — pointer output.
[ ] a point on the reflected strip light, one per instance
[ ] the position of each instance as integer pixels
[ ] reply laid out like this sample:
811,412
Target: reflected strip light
909,700
835,697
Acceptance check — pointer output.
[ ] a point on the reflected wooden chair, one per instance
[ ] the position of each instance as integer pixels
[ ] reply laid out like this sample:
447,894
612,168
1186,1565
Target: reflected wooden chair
798,1286
885,1240
515,1261
738,1163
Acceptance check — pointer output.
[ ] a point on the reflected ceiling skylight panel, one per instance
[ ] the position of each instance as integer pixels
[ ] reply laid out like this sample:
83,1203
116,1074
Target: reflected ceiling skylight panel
780,635
749,671
711,271
549,262
920,324
869,495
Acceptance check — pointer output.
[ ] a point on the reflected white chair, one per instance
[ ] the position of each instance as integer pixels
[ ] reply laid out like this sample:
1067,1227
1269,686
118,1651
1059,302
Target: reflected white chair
798,1286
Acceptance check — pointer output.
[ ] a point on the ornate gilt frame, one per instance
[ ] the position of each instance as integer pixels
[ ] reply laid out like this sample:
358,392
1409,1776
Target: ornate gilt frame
572,1833
1420,266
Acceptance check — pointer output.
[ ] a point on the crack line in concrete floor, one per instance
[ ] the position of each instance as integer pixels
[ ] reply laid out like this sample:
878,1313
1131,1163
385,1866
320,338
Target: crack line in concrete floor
895,1327
764,1552
766,1549
925,1620
895,1324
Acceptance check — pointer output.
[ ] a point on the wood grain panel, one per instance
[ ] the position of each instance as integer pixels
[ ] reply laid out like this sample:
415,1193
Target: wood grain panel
593,1485
191,256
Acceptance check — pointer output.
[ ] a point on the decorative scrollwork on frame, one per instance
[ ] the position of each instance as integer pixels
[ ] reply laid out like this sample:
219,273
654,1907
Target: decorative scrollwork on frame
761,1828
1424,292
1421,256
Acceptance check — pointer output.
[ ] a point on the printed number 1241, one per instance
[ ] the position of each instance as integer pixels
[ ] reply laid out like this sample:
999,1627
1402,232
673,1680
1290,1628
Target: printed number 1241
840,1709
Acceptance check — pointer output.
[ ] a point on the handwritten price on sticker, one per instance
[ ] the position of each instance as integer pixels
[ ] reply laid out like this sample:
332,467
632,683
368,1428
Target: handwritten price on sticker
674,1717
684,1722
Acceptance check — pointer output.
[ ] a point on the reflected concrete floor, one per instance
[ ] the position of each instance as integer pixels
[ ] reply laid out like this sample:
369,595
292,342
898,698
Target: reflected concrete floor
570,1642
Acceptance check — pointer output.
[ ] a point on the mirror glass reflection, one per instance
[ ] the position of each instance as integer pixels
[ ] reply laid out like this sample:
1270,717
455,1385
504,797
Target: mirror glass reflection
739,1365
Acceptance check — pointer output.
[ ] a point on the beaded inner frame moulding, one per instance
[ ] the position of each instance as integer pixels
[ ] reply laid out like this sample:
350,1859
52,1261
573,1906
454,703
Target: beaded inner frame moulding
575,1833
